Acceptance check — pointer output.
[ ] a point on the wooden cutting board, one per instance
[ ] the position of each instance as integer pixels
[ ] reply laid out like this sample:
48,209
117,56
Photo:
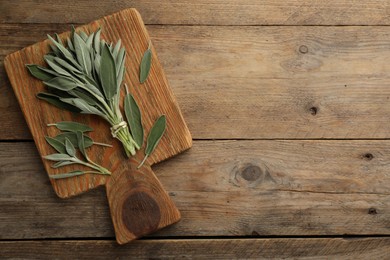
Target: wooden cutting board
138,203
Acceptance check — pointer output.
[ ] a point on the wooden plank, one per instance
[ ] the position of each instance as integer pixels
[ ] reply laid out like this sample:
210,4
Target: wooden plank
280,248
259,82
256,187
207,12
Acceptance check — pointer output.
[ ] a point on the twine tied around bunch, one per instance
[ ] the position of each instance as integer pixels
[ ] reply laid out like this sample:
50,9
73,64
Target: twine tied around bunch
116,128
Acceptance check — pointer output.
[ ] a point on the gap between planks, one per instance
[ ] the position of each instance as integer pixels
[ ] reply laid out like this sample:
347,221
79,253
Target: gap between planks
315,248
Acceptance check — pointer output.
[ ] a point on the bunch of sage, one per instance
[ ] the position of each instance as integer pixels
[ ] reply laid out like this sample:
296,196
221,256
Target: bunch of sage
66,143
86,75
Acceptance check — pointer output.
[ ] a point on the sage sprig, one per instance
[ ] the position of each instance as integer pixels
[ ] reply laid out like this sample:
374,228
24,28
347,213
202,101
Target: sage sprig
71,129
67,155
85,76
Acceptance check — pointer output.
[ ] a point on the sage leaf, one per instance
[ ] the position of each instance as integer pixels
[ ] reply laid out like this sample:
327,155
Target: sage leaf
57,145
72,126
58,157
116,49
70,148
154,137
134,119
145,65
108,73
57,68
80,140
65,52
83,36
89,41
70,45
38,73
82,53
61,164
96,41
80,93
66,175
83,106
61,83
66,65
55,50
72,137
55,100
58,39
120,60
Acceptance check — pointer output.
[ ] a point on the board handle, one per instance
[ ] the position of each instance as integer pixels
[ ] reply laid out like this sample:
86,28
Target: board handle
139,205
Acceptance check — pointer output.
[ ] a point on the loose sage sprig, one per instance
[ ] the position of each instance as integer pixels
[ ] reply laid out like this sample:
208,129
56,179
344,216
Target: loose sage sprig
85,76
67,155
66,143
71,129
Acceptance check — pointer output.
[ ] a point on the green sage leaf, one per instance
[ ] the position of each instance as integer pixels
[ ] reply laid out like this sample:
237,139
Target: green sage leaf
82,54
108,73
134,119
89,41
83,36
68,66
55,100
145,65
155,134
154,137
116,49
57,145
58,157
96,41
58,39
70,148
83,106
72,126
80,140
80,93
61,83
70,44
120,61
39,73
72,137
65,52
61,164
57,68
66,175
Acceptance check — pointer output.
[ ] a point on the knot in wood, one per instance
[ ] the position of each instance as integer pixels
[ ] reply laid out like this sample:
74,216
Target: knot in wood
251,173
303,49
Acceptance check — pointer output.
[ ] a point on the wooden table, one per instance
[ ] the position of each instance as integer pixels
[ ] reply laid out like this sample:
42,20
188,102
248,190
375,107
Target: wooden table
289,106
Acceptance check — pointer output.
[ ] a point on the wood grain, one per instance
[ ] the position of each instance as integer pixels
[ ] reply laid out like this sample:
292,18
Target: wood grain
282,248
154,98
286,188
206,12
262,87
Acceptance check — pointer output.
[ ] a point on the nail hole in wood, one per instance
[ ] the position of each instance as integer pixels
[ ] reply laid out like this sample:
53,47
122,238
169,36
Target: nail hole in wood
303,49
313,110
368,156
372,211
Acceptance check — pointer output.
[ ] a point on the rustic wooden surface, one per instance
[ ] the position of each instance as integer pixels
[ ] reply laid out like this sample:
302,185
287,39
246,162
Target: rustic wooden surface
290,121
